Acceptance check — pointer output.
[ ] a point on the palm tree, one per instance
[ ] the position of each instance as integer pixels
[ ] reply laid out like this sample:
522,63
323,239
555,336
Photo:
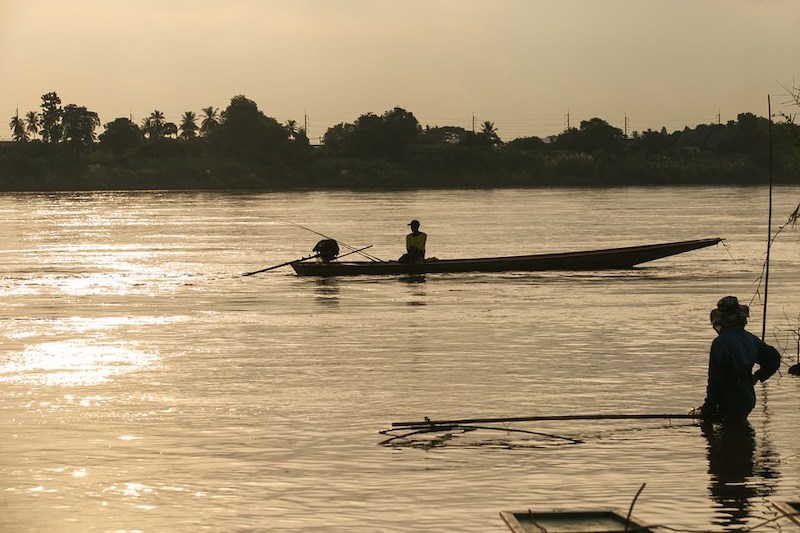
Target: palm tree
153,125
188,125
32,123
291,127
210,120
158,122
490,132
17,126
147,126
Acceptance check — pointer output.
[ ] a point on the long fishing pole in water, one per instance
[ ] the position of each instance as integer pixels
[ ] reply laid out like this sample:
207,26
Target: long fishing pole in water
349,247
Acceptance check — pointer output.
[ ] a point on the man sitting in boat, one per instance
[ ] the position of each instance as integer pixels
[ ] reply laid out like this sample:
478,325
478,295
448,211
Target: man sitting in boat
415,245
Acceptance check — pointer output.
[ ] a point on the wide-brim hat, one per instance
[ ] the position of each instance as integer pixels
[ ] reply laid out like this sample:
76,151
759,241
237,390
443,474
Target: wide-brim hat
729,312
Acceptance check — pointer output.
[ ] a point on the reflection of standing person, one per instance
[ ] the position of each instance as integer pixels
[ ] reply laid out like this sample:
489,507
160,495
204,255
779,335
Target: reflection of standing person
731,381
415,245
731,464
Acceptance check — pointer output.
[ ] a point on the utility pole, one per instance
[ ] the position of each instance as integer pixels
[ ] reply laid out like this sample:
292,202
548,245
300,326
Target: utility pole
719,117
626,125
473,122
566,119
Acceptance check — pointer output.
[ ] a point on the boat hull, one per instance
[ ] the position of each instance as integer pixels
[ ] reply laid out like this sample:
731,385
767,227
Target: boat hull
606,259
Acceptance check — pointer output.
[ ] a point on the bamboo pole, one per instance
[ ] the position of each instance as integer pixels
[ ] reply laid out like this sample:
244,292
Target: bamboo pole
769,226
651,416
273,267
301,259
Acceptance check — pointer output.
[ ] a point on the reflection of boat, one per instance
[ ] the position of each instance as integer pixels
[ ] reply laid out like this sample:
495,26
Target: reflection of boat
791,510
574,521
611,258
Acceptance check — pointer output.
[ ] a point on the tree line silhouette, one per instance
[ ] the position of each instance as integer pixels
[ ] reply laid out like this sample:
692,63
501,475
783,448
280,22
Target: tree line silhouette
240,146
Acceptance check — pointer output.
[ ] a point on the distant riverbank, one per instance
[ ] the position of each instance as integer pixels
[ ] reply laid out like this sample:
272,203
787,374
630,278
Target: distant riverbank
242,148
454,169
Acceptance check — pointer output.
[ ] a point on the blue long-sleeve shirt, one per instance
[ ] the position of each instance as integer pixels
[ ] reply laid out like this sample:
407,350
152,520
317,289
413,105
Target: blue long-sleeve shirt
730,391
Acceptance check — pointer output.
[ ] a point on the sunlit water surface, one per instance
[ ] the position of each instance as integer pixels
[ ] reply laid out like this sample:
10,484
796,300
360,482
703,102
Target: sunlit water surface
145,385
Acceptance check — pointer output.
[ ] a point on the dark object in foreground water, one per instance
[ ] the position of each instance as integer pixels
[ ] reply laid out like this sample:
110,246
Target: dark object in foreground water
607,520
795,369
429,433
791,510
604,259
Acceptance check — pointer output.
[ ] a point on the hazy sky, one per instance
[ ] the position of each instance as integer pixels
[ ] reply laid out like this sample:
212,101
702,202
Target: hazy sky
523,64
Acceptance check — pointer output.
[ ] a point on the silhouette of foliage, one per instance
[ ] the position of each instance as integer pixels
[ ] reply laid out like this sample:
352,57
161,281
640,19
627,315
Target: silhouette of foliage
32,123
78,126
652,142
18,131
51,118
371,135
526,144
121,135
442,135
170,129
242,147
210,121
247,132
153,125
188,125
490,133
791,123
162,148
594,135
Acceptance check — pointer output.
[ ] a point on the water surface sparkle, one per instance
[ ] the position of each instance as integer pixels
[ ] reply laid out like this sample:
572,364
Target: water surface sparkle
145,385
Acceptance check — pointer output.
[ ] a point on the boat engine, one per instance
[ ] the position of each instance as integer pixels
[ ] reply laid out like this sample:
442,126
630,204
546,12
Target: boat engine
327,249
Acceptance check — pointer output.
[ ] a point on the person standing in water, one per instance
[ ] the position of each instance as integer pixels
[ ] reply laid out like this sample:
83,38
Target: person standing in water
730,392
415,245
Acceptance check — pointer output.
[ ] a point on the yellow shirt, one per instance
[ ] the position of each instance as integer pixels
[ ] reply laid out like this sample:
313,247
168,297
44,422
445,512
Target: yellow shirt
415,242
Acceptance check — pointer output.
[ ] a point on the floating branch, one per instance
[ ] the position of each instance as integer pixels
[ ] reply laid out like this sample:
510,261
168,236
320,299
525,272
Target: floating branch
406,439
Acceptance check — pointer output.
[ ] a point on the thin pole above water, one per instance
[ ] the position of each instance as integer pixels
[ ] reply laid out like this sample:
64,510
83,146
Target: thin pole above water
769,226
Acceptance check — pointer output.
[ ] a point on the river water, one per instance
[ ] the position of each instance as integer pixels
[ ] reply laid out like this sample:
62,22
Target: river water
145,385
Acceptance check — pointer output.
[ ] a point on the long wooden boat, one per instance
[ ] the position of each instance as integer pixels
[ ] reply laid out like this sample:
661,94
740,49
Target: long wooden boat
611,258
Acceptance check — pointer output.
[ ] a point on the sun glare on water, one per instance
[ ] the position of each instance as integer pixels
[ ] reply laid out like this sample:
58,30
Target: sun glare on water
71,363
